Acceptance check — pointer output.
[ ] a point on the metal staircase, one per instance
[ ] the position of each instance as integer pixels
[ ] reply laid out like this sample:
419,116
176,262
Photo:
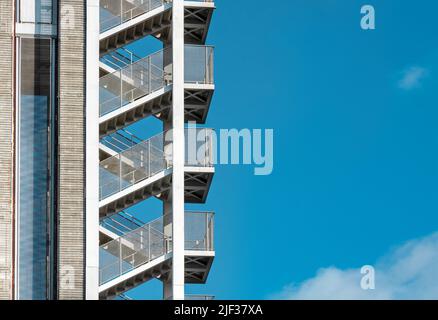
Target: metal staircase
131,170
143,87
140,254
124,21
142,169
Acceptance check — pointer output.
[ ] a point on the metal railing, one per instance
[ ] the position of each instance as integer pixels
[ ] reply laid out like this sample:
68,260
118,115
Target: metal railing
132,250
123,296
198,297
131,166
133,81
152,73
198,64
120,141
200,146
144,159
120,58
198,231
116,12
121,223
149,242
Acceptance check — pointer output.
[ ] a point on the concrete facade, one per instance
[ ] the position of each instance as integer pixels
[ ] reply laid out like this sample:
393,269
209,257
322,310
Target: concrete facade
6,148
71,149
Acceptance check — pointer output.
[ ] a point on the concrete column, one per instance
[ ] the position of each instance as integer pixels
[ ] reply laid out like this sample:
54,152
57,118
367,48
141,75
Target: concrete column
178,150
167,218
92,152
167,230
71,151
167,289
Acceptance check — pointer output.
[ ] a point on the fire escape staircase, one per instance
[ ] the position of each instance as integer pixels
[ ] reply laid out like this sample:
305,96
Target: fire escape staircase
132,89
132,170
142,169
124,21
133,252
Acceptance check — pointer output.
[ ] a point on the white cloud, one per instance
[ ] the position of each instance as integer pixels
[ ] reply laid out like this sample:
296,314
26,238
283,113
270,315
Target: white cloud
409,272
411,78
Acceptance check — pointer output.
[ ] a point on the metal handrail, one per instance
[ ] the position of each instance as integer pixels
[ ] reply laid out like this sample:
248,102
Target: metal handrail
125,297
153,73
122,57
133,81
198,296
123,221
147,158
121,140
133,165
147,243
119,14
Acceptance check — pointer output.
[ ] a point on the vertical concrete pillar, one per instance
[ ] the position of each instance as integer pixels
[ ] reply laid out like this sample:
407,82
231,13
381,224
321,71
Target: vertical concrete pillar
92,152
71,150
178,149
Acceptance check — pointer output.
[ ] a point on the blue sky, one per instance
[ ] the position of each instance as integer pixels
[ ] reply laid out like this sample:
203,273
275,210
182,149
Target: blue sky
354,115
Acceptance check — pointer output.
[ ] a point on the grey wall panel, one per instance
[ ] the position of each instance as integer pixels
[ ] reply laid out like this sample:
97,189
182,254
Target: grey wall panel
6,148
71,204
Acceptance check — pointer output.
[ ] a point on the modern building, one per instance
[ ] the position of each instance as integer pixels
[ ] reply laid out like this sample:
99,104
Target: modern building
71,173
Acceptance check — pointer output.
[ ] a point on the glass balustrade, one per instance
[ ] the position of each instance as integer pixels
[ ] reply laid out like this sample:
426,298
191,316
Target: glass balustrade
142,160
116,12
149,242
152,73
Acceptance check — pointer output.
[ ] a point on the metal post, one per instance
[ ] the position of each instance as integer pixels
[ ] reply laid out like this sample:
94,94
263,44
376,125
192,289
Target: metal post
121,11
121,88
142,158
206,74
207,231
141,240
150,74
206,148
149,242
120,257
132,65
212,231
120,171
149,157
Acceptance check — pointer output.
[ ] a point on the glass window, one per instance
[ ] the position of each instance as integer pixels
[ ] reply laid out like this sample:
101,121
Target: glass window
36,11
33,164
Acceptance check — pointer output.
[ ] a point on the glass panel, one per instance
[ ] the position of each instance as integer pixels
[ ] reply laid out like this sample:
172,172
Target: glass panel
133,165
198,64
116,12
33,157
149,241
36,11
198,230
132,82
137,78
